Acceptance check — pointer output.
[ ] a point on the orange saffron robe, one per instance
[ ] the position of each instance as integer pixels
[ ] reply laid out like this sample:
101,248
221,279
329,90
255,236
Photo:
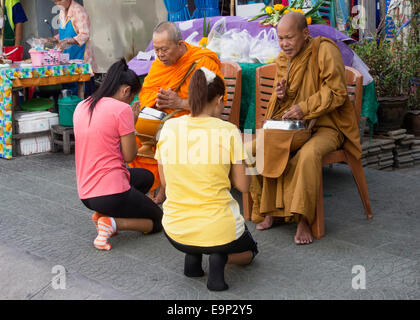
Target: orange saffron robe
169,77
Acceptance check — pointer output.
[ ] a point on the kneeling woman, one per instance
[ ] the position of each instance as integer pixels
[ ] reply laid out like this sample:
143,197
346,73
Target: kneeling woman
105,141
199,156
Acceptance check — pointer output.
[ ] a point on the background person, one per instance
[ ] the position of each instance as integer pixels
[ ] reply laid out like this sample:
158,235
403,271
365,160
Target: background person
15,17
74,38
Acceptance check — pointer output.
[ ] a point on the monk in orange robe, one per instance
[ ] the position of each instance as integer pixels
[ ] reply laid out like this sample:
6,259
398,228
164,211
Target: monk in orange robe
310,84
166,86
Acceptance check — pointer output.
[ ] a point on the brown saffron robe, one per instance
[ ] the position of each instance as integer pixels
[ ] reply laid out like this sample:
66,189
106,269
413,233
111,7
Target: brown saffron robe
316,82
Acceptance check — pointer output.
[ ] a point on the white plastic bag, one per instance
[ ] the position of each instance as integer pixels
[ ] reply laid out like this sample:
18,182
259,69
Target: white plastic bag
191,39
215,36
235,46
265,47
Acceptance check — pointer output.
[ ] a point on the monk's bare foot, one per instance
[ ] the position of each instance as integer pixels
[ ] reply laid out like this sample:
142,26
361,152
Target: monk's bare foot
266,224
303,233
160,197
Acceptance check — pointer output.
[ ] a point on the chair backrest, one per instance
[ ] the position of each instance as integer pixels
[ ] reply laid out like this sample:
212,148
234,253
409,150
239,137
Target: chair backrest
265,82
232,73
354,81
264,89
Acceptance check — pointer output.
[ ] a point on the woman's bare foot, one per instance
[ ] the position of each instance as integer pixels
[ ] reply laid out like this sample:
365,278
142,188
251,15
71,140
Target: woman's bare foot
160,197
266,224
303,233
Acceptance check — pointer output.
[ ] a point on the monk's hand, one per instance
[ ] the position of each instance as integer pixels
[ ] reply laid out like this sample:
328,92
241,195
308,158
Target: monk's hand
294,113
281,89
136,110
168,99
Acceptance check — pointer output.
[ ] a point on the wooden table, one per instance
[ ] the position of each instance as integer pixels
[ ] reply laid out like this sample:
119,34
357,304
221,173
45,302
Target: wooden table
10,80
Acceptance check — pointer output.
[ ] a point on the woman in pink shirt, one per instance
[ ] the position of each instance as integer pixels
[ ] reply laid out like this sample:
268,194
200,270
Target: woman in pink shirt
104,126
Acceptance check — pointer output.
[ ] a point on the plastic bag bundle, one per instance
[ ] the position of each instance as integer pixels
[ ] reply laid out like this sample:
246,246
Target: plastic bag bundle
36,44
216,35
236,46
265,47
191,39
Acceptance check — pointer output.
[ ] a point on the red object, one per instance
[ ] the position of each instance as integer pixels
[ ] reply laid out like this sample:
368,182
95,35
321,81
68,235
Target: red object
31,91
15,56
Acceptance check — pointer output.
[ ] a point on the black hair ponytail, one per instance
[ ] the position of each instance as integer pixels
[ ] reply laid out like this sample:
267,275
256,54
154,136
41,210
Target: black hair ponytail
200,93
118,74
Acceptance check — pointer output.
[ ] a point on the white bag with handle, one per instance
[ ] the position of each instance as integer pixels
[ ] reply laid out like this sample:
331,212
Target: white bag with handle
215,36
236,46
265,47
191,39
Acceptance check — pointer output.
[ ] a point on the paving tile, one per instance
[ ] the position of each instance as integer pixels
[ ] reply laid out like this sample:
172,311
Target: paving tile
42,215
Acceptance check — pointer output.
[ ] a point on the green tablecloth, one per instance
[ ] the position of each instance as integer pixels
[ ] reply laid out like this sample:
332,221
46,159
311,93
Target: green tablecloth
247,115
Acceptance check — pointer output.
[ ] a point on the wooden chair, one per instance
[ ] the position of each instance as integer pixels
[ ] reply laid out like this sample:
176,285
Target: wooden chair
232,73
264,82
354,80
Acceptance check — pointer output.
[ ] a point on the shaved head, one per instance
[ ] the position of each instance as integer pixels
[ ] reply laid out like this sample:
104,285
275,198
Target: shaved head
174,34
168,43
294,19
293,33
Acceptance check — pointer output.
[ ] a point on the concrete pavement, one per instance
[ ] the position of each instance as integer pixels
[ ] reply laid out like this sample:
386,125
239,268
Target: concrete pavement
43,224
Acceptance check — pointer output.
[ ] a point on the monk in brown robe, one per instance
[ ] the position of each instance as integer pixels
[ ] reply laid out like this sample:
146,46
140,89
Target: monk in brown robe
309,84
166,86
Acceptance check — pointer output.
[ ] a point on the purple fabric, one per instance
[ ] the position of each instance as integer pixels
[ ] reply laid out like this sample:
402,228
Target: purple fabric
142,67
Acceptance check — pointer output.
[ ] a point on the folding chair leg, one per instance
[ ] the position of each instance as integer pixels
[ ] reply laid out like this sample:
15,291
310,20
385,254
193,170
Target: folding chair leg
318,226
247,205
359,177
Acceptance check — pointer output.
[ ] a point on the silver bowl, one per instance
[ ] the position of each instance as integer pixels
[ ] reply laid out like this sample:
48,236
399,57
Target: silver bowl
150,113
284,124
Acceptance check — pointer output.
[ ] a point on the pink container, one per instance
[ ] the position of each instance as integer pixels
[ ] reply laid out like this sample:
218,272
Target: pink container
54,57
45,58
37,57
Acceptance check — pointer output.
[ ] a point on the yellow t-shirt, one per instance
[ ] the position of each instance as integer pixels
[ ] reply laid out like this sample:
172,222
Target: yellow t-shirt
196,155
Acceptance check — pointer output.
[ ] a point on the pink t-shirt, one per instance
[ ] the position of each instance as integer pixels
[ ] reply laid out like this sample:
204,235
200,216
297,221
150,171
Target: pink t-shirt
100,166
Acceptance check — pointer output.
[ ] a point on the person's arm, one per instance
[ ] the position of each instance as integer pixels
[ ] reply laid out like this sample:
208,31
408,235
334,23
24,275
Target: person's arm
333,90
66,43
82,26
18,34
161,175
126,130
19,18
239,178
129,147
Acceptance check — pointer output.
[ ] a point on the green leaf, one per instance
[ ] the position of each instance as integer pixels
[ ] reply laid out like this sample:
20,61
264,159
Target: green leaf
258,16
314,9
204,25
302,2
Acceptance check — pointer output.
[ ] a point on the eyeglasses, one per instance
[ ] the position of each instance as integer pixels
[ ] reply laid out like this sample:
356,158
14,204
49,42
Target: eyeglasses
161,50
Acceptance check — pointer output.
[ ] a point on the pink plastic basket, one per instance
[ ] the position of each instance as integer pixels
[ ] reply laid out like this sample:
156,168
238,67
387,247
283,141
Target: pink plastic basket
45,58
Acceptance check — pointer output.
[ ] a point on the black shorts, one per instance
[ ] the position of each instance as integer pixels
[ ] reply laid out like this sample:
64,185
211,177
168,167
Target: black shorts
244,243
133,203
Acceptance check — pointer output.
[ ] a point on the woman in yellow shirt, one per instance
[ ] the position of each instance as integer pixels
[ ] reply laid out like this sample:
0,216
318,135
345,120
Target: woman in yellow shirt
199,156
